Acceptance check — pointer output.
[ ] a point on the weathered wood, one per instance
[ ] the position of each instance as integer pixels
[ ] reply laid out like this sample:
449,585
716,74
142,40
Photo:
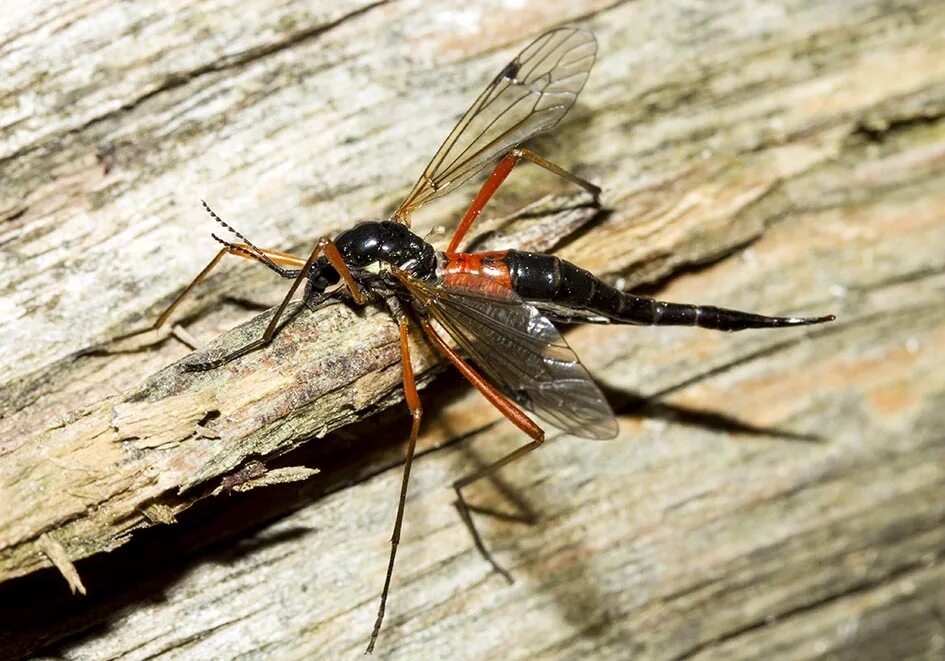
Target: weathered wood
770,494
140,459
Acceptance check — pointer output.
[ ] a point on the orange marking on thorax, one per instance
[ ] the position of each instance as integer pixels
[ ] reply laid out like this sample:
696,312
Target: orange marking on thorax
484,264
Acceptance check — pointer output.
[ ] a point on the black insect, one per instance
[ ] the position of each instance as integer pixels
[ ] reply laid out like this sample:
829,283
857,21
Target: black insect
499,307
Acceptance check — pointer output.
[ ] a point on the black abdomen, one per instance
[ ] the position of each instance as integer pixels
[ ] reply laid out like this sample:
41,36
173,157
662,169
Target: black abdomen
585,297
546,278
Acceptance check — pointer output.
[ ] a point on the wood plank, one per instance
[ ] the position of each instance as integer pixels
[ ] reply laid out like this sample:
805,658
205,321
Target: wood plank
770,493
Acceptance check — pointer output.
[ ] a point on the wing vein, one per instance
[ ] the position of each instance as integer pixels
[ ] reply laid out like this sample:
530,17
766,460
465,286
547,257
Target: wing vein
551,70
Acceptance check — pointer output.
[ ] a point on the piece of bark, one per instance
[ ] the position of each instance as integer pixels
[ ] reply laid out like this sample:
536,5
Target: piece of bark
167,442
61,561
812,132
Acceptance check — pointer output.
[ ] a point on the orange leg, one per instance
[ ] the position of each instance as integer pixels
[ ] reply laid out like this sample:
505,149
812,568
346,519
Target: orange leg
325,245
488,189
515,415
277,256
243,250
495,180
413,403
274,259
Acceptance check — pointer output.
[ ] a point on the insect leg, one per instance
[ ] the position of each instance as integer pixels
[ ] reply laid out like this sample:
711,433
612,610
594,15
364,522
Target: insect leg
561,172
413,403
238,249
510,411
495,180
270,258
324,245
275,256
333,255
488,189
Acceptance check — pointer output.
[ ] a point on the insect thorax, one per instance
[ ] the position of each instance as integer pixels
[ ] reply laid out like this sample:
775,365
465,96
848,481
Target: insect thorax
385,242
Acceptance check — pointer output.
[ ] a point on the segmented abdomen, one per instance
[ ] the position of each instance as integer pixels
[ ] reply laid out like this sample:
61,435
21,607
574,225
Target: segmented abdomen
546,278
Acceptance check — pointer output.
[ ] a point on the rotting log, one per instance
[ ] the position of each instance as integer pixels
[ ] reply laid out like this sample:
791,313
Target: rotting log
141,458
770,494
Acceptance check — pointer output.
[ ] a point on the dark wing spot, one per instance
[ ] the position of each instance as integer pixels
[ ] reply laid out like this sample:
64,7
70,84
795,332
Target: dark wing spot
509,72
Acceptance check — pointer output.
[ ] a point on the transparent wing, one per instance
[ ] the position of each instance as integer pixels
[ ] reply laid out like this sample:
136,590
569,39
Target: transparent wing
520,351
530,95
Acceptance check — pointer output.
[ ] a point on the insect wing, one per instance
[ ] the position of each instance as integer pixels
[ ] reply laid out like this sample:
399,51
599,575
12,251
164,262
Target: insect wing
530,95
520,351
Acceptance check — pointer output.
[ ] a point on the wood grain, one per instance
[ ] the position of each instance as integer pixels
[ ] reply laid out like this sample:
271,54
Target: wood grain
771,493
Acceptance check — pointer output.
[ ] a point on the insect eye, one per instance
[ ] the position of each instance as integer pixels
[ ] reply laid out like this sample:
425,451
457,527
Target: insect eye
324,277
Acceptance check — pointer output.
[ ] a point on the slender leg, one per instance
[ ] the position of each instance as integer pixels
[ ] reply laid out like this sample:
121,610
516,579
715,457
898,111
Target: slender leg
495,180
561,172
465,510
338,262
184,337
267,257
413,403
238,249
488,189
275,256
325,245
510,411
273,259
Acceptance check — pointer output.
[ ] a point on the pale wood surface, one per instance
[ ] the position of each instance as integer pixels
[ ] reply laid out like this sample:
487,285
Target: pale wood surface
771,494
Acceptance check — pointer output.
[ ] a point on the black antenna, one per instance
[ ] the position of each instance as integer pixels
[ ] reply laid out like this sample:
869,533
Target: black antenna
255,252
234,248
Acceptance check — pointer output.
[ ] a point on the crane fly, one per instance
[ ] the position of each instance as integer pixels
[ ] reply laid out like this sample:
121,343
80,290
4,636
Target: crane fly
500,308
